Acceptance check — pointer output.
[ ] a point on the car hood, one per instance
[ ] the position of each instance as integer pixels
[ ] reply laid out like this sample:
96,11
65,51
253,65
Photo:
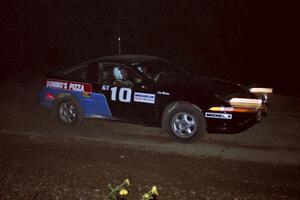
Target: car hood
206,85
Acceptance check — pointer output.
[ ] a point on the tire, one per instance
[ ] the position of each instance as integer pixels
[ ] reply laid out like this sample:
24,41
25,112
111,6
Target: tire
258,116
68,111
184,122
265,111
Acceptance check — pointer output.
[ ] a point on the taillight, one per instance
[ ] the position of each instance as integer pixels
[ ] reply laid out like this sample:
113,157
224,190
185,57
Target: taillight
50,96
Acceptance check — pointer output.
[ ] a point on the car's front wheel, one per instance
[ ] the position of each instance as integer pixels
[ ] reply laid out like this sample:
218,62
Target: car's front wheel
184,122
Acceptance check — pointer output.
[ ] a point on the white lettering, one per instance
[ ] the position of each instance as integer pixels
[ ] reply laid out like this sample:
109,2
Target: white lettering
218,115
124,94
56,84
76,87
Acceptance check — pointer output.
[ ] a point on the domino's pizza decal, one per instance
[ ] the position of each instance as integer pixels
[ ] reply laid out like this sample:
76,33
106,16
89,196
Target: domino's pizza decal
69,85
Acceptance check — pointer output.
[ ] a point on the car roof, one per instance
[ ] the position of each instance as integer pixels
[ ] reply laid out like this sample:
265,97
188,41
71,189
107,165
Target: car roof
126,59
129,58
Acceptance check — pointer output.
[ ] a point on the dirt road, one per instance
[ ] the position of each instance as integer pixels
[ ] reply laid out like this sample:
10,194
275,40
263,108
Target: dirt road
59,167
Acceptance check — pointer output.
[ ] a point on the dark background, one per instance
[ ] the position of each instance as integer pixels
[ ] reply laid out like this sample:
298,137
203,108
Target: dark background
240,40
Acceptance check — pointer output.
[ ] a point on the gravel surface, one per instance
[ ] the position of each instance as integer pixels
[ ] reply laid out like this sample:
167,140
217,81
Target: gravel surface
52,167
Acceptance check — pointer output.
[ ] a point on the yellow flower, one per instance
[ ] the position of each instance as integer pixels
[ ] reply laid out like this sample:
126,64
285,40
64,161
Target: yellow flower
123,192
154,190
146,196
127,181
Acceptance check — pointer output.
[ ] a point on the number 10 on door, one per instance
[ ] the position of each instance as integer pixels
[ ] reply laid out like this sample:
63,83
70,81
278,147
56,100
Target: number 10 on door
123,94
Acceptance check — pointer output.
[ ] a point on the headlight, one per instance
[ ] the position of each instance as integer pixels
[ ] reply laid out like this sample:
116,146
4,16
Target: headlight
246,103
261,90
263,93
232,109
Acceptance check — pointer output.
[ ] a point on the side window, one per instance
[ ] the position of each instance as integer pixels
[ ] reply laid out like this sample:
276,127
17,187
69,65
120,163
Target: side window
106,75
79,74
125,77
119,76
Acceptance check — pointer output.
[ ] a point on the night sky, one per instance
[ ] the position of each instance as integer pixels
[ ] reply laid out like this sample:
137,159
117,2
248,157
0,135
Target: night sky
230,39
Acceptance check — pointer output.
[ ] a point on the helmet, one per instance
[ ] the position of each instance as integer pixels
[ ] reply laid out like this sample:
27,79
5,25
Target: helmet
117,73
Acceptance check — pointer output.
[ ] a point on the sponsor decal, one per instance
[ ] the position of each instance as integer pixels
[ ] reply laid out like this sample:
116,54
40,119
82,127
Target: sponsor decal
163,93
144,97
218,115
76,87
57,84
68,85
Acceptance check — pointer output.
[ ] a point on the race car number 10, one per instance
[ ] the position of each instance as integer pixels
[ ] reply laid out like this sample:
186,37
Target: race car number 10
124,94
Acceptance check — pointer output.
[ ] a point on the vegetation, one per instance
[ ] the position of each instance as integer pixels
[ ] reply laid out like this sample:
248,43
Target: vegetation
120,192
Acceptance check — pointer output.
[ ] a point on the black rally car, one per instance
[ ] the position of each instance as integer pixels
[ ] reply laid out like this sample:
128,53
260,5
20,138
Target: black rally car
152,91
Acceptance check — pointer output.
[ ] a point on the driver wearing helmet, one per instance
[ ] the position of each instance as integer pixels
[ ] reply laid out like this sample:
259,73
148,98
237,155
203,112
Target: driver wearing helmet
121,77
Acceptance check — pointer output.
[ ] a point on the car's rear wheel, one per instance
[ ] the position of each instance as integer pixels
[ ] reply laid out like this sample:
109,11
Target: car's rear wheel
68,111
184,122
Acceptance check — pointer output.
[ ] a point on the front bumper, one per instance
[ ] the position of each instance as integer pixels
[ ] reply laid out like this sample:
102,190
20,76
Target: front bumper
238,122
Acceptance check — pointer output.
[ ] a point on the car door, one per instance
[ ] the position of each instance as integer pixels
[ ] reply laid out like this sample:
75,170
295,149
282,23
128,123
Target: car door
134,101
144,103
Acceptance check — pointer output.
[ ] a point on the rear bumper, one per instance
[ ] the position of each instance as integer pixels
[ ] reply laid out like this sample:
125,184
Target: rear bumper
93,105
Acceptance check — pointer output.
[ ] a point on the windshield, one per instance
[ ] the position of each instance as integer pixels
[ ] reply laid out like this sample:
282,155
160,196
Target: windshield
156,69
